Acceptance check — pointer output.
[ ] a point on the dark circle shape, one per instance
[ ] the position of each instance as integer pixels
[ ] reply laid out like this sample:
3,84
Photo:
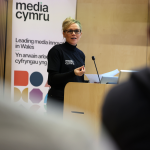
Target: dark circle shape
36,79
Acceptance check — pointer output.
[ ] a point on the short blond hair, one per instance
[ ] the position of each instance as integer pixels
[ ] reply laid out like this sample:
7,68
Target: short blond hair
69,21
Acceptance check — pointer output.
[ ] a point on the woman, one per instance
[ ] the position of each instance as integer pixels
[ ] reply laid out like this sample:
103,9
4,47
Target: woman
65,64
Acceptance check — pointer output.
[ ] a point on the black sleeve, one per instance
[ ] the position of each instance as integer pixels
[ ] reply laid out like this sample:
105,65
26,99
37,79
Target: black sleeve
56,77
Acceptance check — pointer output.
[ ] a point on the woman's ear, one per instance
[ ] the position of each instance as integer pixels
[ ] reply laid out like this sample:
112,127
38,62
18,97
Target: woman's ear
64,34
80,34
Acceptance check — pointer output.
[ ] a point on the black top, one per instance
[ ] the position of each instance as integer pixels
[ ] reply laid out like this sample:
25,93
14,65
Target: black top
62,60
126,112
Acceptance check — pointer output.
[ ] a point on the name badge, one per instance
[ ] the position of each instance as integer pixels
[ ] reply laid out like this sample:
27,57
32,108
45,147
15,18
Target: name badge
69,62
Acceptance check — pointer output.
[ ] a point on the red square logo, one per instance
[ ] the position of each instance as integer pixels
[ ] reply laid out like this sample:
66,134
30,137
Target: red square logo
21,78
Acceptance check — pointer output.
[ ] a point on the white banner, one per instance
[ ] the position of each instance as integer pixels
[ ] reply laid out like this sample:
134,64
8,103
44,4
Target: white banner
36,28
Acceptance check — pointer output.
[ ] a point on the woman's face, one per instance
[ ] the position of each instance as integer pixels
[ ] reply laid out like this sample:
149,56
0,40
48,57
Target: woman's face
72,34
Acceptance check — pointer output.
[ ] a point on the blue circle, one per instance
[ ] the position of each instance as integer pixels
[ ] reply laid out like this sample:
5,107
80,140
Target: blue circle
36,79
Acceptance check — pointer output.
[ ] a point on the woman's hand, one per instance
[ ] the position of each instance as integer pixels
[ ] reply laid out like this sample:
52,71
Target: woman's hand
79,71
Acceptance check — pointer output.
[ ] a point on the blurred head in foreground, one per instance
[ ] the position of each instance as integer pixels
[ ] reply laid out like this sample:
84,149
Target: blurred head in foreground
24,130
126,112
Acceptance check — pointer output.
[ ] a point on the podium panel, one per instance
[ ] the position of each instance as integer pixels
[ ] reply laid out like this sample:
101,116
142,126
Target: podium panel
83,103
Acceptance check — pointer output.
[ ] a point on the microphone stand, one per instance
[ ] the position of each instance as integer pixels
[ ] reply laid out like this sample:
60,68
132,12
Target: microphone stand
93,58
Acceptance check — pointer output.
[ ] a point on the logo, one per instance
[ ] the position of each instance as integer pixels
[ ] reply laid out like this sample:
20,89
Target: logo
69,62
36,11
21,78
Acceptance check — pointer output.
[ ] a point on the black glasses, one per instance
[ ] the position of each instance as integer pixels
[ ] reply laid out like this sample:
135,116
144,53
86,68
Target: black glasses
77,31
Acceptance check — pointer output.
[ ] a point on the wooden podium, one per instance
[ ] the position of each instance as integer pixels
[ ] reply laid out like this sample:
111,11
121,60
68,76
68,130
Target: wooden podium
83,103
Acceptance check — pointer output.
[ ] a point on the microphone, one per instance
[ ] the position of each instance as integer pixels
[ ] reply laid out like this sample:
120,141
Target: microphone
93,58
